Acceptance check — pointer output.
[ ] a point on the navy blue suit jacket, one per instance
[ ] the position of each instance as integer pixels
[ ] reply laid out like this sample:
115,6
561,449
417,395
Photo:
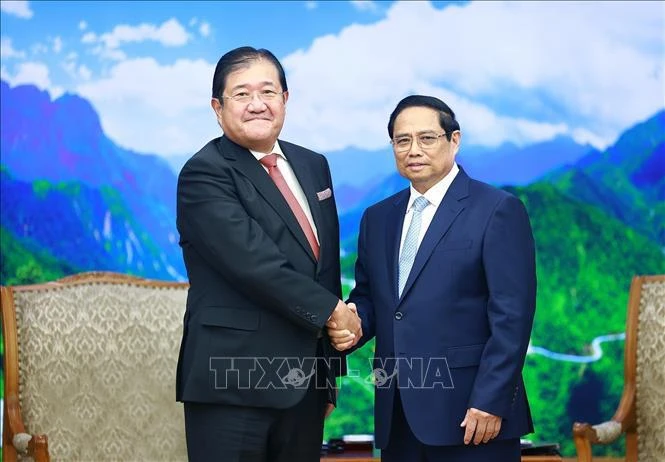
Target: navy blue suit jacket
461,328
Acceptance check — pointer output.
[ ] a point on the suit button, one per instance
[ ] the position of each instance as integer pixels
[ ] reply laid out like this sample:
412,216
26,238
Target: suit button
398,315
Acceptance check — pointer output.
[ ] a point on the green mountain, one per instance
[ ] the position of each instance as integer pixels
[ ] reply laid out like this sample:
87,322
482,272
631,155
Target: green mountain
585,259
20,265
627,180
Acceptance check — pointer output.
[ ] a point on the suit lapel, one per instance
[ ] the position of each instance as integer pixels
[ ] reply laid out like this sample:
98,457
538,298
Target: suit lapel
395,221
443,219
247,164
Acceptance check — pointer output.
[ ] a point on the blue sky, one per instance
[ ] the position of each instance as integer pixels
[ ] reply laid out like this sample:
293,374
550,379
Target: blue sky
513,71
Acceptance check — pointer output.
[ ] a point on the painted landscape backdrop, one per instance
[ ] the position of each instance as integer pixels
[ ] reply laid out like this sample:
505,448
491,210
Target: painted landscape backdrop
562,103
71,200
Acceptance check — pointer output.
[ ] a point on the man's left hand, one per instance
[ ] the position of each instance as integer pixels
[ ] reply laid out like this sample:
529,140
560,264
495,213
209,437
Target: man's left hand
330,406
484,425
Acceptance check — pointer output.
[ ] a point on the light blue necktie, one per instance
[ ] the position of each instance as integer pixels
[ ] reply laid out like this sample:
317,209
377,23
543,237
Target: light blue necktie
410,246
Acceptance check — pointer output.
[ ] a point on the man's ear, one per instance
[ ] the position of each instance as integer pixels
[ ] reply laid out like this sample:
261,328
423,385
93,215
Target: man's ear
456,139
216,106
286,96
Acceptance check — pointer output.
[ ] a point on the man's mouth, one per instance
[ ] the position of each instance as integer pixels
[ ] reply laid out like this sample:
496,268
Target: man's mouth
416,165
258,118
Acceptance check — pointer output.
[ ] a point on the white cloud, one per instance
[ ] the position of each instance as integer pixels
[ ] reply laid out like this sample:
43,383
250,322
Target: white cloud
591,82
193,21
501,62
204,29
33,73
171,33
364,5
39,48
84,72
57,44
170,105
109,53
7,50
107,46
518,130
311,5
89,37
83,25
19,8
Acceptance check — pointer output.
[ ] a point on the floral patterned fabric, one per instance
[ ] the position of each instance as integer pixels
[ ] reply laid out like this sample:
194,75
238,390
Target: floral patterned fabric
651,373
97,364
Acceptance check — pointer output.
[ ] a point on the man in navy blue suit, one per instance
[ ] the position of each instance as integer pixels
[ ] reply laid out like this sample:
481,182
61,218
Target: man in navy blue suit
446,282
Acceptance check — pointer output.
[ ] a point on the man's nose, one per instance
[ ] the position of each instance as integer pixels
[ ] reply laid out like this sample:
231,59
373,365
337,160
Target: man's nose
415,149
256,103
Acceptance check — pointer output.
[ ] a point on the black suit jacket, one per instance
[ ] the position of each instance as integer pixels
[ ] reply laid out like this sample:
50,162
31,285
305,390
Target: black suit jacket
258,298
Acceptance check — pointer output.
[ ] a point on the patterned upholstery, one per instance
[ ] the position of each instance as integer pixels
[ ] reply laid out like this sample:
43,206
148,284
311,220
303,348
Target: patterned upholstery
641,411
651,373
97,360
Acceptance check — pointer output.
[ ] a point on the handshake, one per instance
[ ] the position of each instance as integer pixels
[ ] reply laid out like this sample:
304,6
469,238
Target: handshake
344,326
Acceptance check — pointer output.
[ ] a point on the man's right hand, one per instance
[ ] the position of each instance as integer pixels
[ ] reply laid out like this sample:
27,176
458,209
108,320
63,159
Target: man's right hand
344,326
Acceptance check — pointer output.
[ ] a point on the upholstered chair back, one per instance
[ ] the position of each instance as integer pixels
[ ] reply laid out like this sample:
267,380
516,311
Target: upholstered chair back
97,358
650,374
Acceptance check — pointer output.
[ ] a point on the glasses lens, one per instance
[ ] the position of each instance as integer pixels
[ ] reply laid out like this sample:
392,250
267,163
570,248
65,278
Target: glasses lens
428,140
265,95
403,143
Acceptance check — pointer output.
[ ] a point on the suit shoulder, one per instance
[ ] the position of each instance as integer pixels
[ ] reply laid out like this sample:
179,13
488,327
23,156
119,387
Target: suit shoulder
208,151
488,190
299,150
495,197
386,204
204,155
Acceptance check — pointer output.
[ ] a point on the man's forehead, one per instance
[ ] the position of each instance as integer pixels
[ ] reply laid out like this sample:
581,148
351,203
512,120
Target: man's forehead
257,73
417,120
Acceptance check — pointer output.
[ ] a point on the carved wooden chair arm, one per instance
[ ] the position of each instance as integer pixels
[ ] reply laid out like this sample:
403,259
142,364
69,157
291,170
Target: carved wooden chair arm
32,446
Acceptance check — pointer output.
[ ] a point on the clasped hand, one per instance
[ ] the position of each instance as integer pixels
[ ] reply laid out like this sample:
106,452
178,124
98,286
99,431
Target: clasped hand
344,326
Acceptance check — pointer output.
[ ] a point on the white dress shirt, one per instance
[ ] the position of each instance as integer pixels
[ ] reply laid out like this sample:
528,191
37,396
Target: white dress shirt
434,195
291,181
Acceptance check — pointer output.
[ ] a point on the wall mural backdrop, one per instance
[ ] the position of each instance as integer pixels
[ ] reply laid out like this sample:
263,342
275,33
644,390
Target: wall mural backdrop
103,102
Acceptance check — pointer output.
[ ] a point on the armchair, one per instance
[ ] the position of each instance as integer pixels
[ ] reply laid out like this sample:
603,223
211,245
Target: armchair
641,411
90,366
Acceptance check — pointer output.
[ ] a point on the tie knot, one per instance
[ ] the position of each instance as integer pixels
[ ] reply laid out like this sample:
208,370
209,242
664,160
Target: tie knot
269,161
420,203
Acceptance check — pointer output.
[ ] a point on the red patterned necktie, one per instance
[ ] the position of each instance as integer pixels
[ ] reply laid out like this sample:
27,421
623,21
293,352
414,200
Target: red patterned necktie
270,161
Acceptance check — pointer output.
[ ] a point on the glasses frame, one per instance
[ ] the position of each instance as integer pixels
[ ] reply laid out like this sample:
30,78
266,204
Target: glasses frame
393,141
240,99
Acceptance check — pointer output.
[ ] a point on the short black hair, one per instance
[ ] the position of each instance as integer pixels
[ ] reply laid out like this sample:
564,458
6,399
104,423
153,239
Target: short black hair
237,59
446,115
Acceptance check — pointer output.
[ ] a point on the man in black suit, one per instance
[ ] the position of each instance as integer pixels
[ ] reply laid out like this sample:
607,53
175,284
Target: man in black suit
260,237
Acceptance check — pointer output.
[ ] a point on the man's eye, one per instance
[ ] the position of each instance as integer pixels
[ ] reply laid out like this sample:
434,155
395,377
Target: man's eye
403,141
268,93
242,94
428,139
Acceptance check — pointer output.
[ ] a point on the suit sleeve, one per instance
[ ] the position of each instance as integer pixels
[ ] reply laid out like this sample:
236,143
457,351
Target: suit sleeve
361,293
212,218
510,271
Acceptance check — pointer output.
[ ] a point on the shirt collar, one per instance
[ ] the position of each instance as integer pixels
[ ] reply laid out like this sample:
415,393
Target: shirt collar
276,149
435,194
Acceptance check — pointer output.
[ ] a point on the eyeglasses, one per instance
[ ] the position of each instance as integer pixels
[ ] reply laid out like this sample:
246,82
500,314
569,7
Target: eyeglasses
245,96
425,140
